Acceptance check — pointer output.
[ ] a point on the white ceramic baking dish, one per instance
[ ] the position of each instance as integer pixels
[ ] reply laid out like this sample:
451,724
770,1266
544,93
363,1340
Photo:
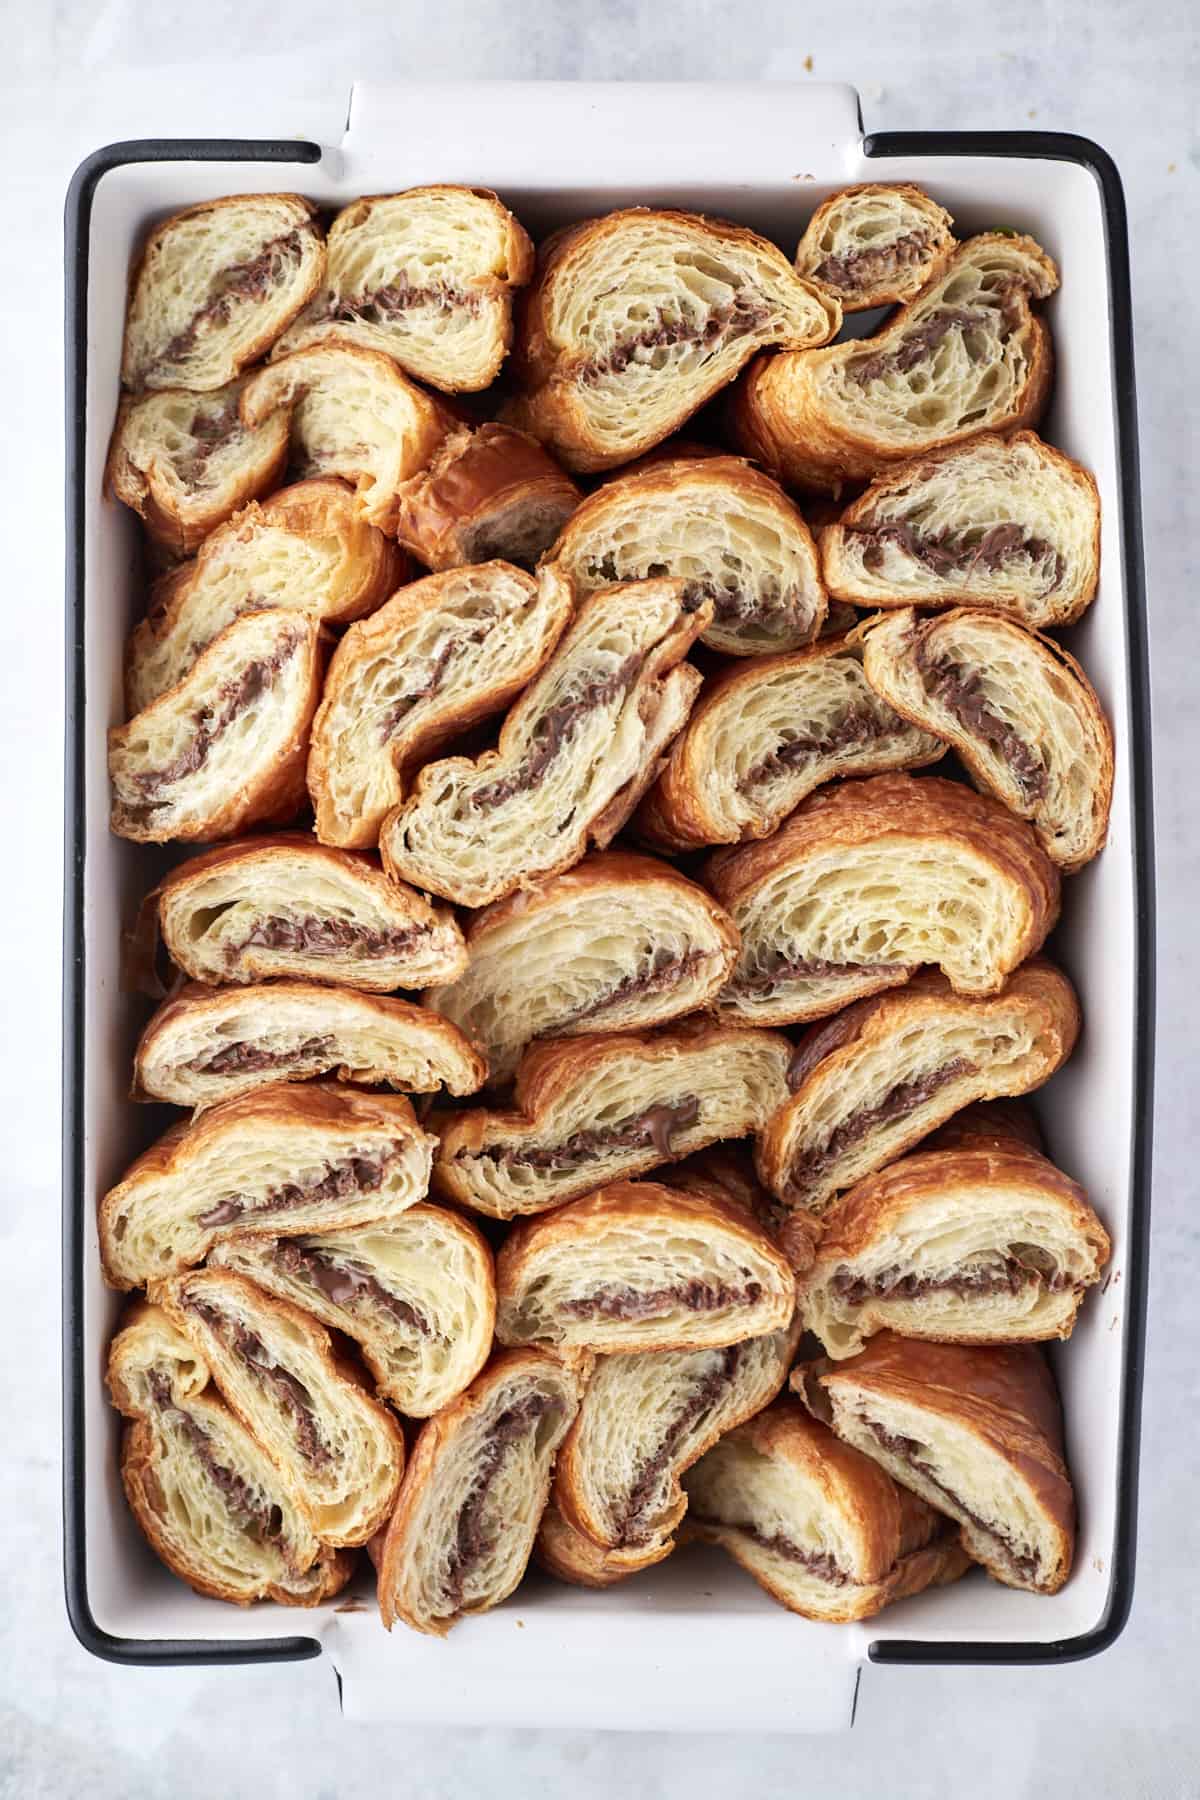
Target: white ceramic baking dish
692,1644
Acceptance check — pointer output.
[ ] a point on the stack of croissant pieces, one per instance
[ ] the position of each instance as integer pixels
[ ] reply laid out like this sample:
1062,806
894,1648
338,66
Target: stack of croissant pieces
719,1216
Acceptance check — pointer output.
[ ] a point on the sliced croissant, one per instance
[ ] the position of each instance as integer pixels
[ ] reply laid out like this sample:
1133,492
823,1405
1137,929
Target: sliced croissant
875,244
1008,523
639,1266
618,943
226,748
489,492
340,1451
285,905
817,1524
354,413
427,276
417,1293
207,1497
208,1044
321,1157
570,1556
593,1109
1016,707
867,881
214,287
879,1076
477,1483
967,354
716,522
643,1421
976,1433
985,1245
634,320
575,753
305,549
763,735
186,462
441,655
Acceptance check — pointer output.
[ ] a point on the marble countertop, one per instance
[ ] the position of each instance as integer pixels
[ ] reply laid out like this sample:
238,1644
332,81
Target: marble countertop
79,75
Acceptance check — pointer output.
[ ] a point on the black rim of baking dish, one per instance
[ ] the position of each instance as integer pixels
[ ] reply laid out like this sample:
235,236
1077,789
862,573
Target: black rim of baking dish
1054,146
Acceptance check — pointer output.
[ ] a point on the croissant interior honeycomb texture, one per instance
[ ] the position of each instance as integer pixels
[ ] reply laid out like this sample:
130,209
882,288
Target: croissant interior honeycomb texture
305,549
977,1433
875,244
417,1293
872,1081
987,1244
1007,523
226,747
284,905
354,413
477,1484
592,1109
186,462
277,1160
717,523
618,943
1017,708
488,492
869,880
340,1451
763,735
810,1519
639,1266
443,654
633,321
210,1501
967,354
574,755
209,1043
215,286
427,276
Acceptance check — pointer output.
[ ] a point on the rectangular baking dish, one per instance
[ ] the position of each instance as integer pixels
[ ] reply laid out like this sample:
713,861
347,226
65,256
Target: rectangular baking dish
692,1644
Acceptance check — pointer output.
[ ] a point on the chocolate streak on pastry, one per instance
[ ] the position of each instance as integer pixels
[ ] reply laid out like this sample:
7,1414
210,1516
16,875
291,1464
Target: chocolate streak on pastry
254,1517
866,267
345,1283
471,1541
632,1527
742,315
401,295
665,972
657,1126
858,725
290,1393
1022,1264
210,432
944,553
233,698
327,937
819,1561
342,1180
808,968
433,682
960,691
908,1450
905,1097
252,280
696,1296
553,729
917,344
243,1059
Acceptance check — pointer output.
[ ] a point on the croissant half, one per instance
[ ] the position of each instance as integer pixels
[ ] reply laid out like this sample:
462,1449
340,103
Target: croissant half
976,1433
283,905
634,320
477,1484
574,755
875,244
869,880
968,354
590,1110
1016,707
763,735
817,1524
489,492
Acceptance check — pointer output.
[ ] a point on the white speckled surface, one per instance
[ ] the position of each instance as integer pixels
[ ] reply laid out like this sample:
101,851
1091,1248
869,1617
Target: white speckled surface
76,76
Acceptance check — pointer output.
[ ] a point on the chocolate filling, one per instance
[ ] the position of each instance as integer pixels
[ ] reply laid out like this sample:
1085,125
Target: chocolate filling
917,343
960,691
863,268
905,1097
552,731
345,1179
251,1513
807,968
288,1391
858,725
434,680
629,1519
745,313
209,432
656,1126
907,1450
243,1059
472,1541
1021,1264
233,697
346,1283
947,554
625,1302
820,1562
327,937
730,603
665,971
252,280
383,305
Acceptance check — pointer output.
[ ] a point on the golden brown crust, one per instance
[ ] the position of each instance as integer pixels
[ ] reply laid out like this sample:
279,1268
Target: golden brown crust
988,1122
488,492
571,1556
